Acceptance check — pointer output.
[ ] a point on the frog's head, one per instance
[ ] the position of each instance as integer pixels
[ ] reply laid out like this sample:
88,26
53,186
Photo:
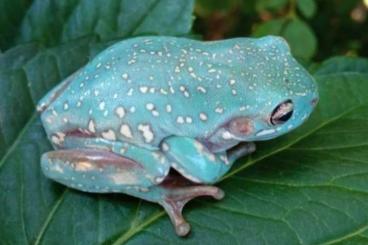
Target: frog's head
280,94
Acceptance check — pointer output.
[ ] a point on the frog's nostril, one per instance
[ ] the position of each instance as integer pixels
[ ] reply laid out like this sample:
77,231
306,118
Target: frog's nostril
314,101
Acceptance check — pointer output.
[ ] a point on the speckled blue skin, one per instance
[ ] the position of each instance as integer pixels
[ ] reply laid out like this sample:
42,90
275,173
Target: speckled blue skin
148,104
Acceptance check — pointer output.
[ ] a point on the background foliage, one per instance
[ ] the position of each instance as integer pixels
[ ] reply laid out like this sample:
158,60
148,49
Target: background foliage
308,187
315,29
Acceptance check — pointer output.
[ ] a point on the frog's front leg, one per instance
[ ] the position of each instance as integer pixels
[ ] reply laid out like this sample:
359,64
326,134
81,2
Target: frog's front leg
194,161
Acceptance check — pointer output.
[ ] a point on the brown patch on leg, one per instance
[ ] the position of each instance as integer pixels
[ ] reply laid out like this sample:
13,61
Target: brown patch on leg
94,158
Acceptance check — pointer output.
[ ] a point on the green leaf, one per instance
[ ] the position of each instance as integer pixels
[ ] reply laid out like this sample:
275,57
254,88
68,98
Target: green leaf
343,64
108,19
271,27
301,38
11,15
274,5
307,7
208,6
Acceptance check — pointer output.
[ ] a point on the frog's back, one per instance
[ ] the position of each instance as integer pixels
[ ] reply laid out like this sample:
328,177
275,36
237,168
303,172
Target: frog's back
144,89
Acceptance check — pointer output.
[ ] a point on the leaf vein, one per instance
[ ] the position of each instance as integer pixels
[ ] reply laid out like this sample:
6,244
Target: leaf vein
134,230
50,216
17,140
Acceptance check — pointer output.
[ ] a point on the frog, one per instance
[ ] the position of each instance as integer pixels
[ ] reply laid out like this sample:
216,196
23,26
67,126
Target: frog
164,118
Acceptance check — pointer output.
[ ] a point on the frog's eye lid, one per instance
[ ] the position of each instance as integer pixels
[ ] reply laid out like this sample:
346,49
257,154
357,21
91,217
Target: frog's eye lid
282,113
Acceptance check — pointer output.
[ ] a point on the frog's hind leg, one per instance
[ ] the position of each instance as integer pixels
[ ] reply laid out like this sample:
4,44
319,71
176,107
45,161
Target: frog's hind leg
83,162
176,191
98,165
95,171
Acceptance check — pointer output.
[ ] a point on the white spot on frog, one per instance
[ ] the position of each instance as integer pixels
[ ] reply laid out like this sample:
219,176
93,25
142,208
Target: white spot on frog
203,116
146,131
163,91
102,105
150,106
130,92
165,147
125,131
227,135
92,126
143,89
219,110
180,119
120,112
188,120
155,113
109,135
201,89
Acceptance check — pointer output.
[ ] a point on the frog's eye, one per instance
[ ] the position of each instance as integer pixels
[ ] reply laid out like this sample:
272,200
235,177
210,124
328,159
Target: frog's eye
282,113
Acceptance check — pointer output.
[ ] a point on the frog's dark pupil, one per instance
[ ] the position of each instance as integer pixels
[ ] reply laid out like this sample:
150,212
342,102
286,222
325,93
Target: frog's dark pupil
279,115
285,117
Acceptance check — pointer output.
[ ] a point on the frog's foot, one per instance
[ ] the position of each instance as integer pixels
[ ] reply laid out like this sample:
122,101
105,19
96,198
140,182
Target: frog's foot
178,191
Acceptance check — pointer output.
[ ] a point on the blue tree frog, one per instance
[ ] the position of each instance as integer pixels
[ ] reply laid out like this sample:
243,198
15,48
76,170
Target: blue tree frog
163,118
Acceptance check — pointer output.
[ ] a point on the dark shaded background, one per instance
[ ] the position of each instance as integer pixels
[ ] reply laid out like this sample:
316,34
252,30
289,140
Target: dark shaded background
315,29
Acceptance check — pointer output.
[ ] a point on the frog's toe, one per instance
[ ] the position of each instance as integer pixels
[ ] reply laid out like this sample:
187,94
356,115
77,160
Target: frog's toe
182,229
